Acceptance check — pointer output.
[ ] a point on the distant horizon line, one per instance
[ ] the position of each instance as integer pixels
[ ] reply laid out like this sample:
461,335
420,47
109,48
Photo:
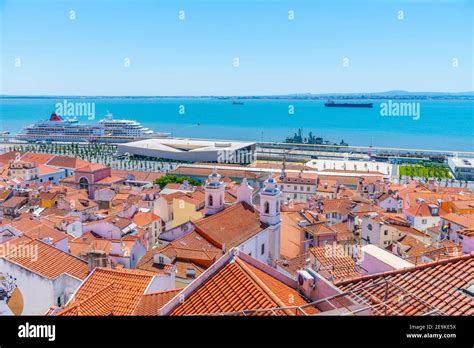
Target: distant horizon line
393,93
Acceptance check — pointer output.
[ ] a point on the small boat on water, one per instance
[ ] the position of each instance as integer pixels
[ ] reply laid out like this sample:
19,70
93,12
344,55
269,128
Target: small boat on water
333,104
237,103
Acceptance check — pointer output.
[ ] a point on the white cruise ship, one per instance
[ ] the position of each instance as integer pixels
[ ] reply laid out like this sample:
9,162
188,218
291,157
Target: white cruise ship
106,130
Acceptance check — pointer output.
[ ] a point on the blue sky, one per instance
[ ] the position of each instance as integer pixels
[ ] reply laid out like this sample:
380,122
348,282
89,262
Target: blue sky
195,56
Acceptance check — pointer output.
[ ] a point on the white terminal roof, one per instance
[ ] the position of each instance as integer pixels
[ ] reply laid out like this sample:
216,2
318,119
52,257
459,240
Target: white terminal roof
386,257
462,162
188,145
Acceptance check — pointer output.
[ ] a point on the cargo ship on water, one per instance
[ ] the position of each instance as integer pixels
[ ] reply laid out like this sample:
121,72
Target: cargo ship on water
70,130
333,104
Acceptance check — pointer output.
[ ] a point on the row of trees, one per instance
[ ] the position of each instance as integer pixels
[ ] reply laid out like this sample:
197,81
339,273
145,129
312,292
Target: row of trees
433,170
105,154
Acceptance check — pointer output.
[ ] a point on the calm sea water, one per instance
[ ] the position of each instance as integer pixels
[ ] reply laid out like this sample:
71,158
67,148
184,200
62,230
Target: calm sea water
446,125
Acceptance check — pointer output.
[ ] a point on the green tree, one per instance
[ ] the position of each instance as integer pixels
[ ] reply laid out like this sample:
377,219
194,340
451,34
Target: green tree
168,179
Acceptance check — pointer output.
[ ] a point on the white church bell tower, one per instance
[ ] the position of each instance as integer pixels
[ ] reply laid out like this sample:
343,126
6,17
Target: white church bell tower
214,193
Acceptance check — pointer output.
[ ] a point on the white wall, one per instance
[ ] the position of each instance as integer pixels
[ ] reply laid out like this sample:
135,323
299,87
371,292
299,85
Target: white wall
38,293
252,246
103,228
74,228
467,244
417,221
163,282
63,245
56,177
374,234
390,204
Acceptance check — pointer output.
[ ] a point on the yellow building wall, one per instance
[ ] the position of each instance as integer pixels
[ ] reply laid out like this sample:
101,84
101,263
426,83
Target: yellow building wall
47,203
184,212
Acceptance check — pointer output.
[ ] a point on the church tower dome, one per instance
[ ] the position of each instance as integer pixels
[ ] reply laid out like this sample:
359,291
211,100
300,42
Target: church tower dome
214,193
270,198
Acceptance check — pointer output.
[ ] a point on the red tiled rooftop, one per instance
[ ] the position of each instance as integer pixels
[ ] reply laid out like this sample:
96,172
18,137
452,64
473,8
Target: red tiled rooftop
49,262
91,167
237,286
44,169
232,226
333,262
191,250
67,162
14,201
438,284
294,264
109,292
144,219
137,175
466,221
151,304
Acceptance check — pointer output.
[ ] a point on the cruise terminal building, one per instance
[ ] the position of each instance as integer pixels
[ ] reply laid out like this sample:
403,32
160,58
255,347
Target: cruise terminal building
192,150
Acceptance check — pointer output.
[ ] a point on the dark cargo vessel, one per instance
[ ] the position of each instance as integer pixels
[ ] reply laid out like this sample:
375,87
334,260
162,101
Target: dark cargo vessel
332,104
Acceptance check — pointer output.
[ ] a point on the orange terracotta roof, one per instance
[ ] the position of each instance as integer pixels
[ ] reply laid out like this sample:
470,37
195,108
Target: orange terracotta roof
344,180
333,262
182,268
67,162
14,201
411,246
191,250
342,232
38,158
44,169
327,185
171,196
4,194
101,303
294,264
468,204
420,209
48,195
336,205
44,232
346,193
69,179
468,232
232,226
195,198
117,221
172,186
50,262
136,175
466,221
238,286
88,242
144,219
421,289
319,228
151,304
91,167
109,292
297,178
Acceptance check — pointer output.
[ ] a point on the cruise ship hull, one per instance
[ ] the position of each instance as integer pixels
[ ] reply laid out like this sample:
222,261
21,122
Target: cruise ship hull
107,130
